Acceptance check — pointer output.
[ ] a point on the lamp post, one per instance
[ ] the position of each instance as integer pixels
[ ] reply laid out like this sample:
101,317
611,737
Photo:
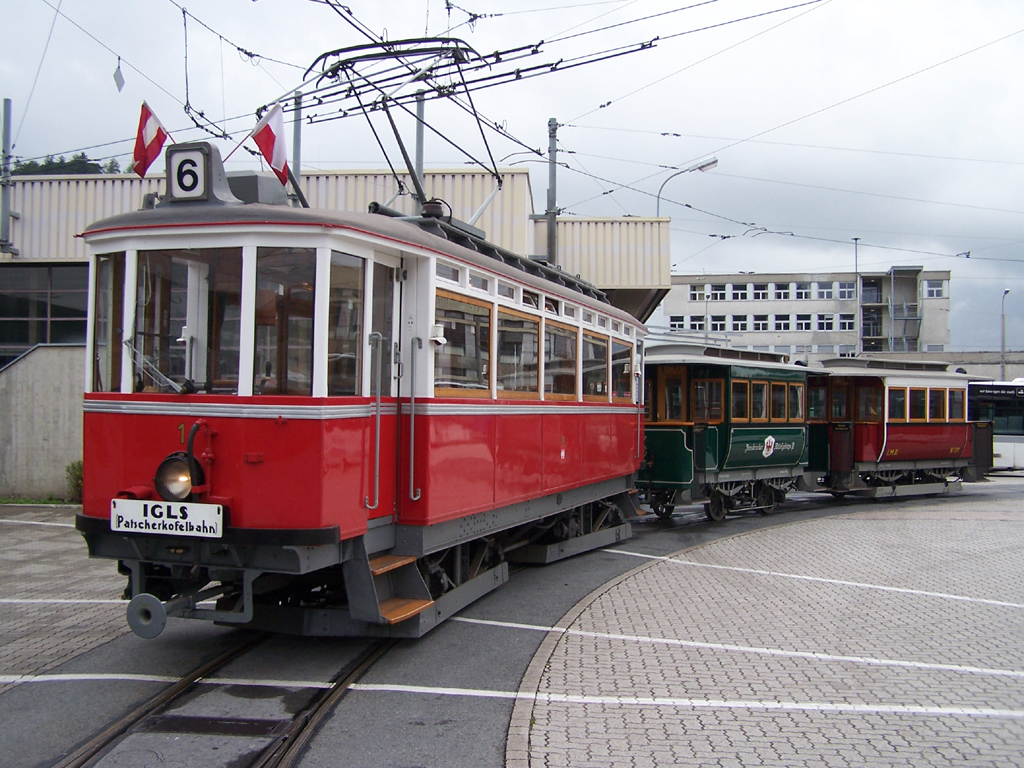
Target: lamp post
703,165
1002,336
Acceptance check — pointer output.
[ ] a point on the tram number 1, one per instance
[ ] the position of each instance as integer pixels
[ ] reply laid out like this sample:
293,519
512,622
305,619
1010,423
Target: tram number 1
181,432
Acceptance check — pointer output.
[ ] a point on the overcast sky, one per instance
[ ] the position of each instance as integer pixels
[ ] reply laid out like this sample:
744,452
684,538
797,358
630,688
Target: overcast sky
894,121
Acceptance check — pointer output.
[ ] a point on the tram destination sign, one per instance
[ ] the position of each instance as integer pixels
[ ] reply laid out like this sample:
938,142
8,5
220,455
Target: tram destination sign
177,518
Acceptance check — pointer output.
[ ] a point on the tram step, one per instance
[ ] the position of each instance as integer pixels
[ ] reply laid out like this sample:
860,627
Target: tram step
398,609
386,563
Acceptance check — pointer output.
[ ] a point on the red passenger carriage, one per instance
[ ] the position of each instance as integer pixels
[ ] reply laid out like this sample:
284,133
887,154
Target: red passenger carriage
334,423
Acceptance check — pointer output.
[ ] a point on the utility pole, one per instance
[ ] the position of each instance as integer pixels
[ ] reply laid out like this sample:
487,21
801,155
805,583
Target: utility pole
552,212
296,165
5,185
420,117
858,321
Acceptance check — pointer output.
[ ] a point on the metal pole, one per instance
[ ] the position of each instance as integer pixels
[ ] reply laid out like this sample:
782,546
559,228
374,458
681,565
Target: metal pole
552,211
295,167
858,321
1002,341
420,114
5,184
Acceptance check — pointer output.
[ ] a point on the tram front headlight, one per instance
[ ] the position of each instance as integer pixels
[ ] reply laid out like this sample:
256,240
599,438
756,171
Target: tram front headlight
173,479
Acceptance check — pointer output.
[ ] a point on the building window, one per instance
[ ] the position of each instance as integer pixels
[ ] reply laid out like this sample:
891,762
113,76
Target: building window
696,293
760,322
718,322
760,291
782,322
824,290
803,290
718,292
41,305
782,291
825,322
739,322
847,291
784,349
739,293
677,323
827,349
935,289
935,347
696,322
803,322
847,350
846,323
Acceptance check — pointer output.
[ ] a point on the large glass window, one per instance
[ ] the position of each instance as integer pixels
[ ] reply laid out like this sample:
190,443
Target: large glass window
740,401
918,404
707,400
796,402
759,401
108,319
622,370
344,325
595,366
936,405
187,320
840,397
41,305
897,405
285,282
817,401
464,362
869,403
518,347
559,360
956,405
778,401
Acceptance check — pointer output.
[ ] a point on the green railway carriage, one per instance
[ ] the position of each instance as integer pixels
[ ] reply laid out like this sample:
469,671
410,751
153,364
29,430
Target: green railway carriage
728,427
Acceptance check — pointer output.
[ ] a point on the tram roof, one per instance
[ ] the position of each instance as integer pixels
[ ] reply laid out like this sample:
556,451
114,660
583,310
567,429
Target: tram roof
689,354
434,234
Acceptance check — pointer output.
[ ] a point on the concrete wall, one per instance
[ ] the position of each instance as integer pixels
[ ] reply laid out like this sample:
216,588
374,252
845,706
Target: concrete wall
40,421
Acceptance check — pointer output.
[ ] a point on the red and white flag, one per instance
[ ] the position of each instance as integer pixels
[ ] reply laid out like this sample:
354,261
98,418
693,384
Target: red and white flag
148,142
269,137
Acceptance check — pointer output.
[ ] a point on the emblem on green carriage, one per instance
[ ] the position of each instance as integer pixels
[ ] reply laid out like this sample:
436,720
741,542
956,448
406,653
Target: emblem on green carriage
769,446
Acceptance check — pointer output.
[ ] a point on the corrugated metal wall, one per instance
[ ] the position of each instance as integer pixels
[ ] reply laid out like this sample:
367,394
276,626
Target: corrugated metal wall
53,209
613,253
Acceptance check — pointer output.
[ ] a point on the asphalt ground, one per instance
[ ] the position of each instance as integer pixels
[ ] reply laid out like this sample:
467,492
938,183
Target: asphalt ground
830,634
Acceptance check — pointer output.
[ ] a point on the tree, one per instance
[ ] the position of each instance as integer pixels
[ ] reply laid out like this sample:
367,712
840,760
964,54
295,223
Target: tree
112,166
79,164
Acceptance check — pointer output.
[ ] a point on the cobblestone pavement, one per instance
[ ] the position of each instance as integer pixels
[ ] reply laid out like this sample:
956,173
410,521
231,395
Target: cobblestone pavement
43,556
890,636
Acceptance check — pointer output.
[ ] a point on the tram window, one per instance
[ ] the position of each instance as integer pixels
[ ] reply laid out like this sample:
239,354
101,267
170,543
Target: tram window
869,403
595,366
559,361
796,402
840,409
518,359
622,371
740,401
897,405
447,272
817,401
188,319
918,404
936,405
463,363
956,405
531,299
650,401
759,401
283,358
674,399
344,327
707,400
109,317
778,401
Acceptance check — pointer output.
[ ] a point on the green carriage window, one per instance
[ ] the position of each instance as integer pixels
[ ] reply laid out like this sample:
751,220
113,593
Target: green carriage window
740,401
778,402
796,402
759,401
707,399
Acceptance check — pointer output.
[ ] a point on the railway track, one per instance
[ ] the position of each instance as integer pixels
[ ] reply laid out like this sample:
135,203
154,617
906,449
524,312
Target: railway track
278,741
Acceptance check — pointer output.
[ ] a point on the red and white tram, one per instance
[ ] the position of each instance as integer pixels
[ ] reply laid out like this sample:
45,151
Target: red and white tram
336,423
891,427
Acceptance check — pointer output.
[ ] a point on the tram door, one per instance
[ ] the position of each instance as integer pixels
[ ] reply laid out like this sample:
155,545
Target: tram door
383,350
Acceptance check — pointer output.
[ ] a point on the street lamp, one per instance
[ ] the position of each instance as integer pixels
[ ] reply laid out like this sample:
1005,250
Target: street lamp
1002,340
703,165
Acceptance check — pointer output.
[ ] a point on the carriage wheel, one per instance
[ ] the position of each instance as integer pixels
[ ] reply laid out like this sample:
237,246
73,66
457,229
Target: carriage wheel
662,510
764,499
715,508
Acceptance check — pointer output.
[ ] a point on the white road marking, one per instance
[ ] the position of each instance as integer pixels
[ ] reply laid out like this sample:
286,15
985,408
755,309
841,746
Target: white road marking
838,582
34,522
754,649
634,701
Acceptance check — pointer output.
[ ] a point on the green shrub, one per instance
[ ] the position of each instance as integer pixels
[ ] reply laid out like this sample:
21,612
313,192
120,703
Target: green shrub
73,472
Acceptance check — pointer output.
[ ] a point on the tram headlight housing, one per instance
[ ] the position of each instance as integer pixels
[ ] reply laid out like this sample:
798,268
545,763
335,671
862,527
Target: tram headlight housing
174,479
